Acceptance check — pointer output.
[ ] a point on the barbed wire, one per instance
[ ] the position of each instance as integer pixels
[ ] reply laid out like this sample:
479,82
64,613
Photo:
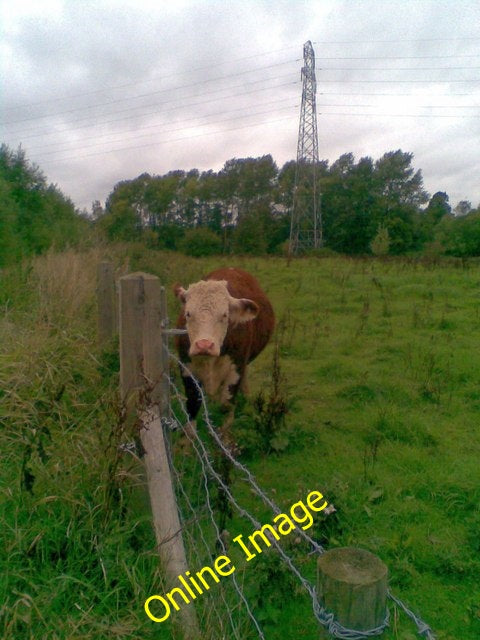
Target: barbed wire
207,469
193,542
322,615
208,473
422,627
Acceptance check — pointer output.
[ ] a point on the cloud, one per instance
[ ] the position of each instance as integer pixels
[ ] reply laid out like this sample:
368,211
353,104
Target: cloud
102,91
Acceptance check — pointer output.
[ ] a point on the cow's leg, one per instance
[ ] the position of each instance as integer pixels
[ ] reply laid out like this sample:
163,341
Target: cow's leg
194,402
232,386
244,383
194,397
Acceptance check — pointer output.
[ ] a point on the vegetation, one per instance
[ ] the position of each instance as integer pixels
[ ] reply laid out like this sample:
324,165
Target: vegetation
375,364
33,215
368,207
247,206
368,392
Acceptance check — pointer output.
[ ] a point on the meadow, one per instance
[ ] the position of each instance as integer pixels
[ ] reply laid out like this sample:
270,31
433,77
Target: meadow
378,373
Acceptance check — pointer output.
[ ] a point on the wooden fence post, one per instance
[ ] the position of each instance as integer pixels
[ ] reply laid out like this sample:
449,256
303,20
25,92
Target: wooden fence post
143,372
106,300
352,584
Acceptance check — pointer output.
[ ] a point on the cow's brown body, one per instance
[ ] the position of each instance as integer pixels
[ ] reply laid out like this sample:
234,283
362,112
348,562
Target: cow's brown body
222,375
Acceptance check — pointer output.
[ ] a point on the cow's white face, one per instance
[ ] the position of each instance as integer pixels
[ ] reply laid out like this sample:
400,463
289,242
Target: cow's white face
208,309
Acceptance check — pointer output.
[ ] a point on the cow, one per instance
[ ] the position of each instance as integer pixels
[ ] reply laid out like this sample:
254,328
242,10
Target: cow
229,321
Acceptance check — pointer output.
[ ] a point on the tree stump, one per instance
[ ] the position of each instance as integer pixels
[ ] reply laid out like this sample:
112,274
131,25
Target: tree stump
352,584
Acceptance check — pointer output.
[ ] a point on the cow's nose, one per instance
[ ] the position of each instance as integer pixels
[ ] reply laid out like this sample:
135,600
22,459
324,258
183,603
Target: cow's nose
204,346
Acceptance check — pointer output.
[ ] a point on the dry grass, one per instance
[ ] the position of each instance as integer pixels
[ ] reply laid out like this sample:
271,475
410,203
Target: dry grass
65,284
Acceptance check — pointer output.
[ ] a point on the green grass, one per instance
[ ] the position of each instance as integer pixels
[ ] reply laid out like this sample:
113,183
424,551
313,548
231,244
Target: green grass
380,364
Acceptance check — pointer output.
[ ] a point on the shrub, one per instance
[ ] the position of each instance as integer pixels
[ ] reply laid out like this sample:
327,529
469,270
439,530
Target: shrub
200,242
381,242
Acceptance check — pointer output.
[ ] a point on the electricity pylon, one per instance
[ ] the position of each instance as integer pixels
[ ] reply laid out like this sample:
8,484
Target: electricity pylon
306,221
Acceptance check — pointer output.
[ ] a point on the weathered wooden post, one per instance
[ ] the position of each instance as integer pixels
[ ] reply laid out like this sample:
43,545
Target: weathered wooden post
144,373
352,584
106,300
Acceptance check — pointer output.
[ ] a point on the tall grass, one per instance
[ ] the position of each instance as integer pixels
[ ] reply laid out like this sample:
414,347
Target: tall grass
73,562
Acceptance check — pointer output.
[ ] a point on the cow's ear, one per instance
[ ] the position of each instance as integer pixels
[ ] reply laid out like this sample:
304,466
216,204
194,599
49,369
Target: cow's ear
180,292
242,309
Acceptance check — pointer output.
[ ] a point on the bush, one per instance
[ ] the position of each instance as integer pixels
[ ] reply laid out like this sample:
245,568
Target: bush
381,243
200,242
460,237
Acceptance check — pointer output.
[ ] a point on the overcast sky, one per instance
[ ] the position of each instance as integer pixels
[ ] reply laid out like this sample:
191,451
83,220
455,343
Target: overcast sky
102,91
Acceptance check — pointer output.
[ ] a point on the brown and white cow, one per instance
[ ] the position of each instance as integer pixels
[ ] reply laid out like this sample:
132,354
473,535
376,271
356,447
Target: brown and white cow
229,320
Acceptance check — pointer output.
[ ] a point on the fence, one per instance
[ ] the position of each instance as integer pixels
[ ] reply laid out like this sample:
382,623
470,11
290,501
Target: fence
184,490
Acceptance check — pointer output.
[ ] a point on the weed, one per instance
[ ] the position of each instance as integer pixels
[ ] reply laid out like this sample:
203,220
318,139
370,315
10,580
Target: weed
261,424
363,318
386,312
373,440
273,583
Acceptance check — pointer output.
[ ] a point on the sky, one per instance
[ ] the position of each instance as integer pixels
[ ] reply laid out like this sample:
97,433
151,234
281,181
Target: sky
101,91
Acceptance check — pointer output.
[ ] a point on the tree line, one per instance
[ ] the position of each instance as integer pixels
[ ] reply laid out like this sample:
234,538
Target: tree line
368,207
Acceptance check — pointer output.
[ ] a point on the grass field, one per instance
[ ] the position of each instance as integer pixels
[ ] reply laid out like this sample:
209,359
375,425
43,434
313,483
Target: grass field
380,369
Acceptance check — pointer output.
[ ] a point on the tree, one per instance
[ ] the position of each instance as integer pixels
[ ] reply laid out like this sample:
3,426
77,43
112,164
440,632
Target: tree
251,233
438,207
398,182
348,205
427,221
463,208
120,222
210,211
10,243
33,214
248,181
283,193
399,194
97,210
249,202
460,236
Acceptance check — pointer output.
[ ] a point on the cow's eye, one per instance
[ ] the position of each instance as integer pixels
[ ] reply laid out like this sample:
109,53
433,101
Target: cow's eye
188,314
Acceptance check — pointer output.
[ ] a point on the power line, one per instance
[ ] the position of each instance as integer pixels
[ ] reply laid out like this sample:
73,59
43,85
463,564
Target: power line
150,127
157,143
183,127
397,68
153,79
175,108
177,99
413,95
149,135
429,81
226,77
418,106
223,62
195,119
397,115
159,91
475,55
220,90
392,41
181,102
188,105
